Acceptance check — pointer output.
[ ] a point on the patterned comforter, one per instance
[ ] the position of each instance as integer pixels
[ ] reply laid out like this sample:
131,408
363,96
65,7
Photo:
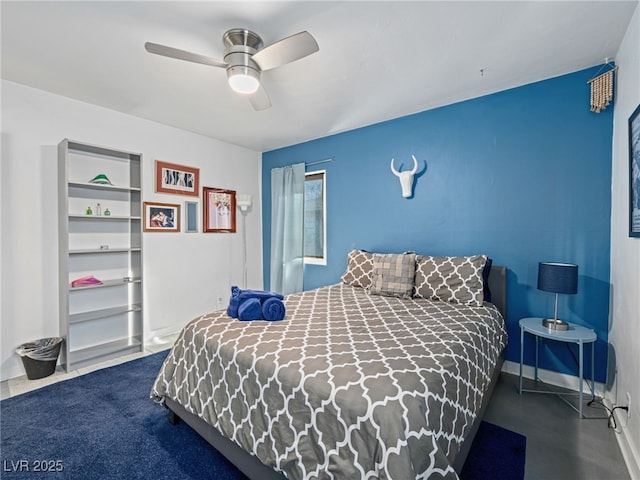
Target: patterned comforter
348,386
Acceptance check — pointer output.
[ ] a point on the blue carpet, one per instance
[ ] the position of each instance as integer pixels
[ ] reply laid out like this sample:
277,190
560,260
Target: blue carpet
496,453
104,426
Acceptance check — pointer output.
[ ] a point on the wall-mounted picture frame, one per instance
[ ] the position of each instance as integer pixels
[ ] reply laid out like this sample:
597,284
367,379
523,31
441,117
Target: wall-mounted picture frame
191,217
634,173
177,179
219,210
161,217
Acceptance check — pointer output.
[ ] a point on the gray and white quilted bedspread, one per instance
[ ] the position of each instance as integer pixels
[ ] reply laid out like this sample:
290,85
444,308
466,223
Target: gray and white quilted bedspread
348,386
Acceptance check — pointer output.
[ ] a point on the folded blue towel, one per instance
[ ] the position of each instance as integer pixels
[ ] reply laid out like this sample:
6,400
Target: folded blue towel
273,309
234,302
239,296
259,294
250,309
232,309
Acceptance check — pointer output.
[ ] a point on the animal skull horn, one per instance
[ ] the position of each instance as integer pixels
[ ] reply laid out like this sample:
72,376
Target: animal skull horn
406,178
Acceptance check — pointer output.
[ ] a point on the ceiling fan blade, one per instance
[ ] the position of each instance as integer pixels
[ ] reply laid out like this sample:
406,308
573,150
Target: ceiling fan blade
286,51
260,100
183,55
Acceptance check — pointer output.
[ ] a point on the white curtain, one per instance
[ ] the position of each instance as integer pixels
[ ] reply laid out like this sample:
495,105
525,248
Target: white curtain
287,229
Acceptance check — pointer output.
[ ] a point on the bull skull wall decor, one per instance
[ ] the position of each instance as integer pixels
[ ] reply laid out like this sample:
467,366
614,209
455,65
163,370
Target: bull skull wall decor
406,178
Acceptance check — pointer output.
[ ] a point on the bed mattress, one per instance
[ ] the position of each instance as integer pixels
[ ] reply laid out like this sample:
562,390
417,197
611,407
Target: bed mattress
348,386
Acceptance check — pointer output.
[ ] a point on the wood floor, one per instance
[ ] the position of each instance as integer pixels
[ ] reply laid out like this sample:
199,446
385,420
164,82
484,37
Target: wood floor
560,446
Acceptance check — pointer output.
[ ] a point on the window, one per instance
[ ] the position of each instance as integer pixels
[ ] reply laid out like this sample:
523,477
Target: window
315,232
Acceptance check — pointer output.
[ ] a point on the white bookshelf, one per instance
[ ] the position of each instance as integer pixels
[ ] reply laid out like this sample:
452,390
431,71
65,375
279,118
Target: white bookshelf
103,321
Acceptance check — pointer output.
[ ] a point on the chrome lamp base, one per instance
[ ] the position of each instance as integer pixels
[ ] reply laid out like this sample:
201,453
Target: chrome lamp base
555,324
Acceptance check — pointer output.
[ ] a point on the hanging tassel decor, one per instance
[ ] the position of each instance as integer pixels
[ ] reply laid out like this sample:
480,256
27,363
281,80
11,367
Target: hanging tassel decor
602,90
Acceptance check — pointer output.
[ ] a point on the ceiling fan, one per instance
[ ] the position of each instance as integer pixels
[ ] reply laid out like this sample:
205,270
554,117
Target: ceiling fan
245,58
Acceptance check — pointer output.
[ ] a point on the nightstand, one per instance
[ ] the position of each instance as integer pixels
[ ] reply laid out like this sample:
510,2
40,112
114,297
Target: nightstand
575,334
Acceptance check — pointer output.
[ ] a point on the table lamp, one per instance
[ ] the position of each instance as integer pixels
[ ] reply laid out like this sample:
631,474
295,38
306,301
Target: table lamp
557,278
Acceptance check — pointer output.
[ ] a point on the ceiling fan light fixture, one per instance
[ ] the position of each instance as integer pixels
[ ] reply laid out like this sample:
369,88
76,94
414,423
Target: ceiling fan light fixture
243,79
245,58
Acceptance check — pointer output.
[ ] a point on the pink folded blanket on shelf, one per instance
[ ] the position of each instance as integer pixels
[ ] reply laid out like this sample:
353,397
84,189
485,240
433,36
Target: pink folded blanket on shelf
85,281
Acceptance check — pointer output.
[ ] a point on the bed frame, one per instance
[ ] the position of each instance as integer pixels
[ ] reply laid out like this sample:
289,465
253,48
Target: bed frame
256,470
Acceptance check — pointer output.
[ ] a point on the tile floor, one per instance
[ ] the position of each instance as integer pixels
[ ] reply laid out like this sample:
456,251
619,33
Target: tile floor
18,385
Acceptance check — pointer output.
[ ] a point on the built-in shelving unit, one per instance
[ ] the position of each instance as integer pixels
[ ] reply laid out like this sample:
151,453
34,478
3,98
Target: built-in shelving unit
102,321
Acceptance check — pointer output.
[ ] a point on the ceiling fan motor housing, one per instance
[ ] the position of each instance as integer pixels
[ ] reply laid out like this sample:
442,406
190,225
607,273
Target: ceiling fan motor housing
243,73
240,45
242,37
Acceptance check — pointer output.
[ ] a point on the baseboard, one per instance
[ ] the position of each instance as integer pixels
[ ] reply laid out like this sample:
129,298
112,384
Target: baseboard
12,371
153,336
553,378
630,452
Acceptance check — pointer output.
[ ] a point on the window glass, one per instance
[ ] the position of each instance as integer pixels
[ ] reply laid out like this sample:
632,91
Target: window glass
314,218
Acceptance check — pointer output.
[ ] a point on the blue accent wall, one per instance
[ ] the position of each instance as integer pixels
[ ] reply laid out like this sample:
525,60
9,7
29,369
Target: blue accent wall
523,175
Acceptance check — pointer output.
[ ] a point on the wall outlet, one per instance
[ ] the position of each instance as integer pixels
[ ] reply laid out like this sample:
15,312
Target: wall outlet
219,303
628,405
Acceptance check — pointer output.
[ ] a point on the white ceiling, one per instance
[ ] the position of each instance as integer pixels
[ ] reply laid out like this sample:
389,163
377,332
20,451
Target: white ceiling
377,60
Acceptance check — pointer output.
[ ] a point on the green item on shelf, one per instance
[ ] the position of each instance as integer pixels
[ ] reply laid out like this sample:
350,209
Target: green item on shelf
107,212
89,211
101,179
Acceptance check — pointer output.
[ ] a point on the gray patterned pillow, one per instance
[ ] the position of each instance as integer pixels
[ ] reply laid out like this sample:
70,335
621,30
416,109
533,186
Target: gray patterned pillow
393,274
450,279
359,269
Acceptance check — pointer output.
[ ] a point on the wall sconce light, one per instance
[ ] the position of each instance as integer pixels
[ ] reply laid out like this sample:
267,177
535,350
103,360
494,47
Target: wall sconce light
557,278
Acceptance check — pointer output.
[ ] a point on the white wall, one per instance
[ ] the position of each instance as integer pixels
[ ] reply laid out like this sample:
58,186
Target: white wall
624,326
184,273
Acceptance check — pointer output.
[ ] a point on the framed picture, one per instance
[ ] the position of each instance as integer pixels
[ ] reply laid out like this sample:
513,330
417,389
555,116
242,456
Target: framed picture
177,179
219,210
634,173
191,217
161,217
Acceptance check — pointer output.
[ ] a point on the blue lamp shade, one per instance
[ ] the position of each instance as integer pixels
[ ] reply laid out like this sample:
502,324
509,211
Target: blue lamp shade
558,277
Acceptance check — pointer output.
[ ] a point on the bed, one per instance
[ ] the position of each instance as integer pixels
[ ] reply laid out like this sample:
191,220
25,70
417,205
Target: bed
353,383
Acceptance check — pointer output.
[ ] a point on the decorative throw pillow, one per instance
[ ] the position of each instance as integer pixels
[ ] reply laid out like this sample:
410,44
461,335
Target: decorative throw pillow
359,269
393,274
450,279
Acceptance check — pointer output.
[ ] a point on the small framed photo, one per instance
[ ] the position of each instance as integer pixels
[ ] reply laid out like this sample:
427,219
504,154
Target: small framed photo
177,179
191,217
634,173
161,217
219,210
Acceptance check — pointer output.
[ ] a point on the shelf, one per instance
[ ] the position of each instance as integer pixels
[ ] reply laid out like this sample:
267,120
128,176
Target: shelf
84,216
82,147
105,284
107,246
89,355
106,250
103,313
100,186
